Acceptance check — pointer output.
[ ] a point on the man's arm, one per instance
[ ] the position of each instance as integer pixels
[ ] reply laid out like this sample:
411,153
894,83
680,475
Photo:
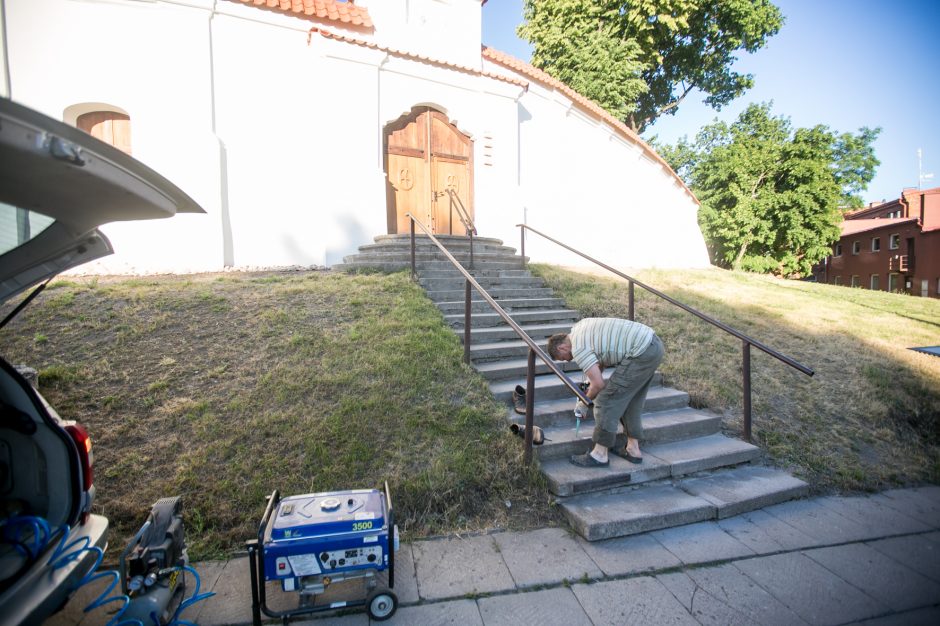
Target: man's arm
597,381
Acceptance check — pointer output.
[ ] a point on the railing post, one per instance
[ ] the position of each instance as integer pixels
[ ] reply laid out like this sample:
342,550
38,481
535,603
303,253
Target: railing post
529,407
466,323
414,271
522,246
746,372
632,317
471,248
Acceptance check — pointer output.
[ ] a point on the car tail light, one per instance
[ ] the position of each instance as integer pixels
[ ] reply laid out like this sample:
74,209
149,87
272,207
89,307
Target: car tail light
86,456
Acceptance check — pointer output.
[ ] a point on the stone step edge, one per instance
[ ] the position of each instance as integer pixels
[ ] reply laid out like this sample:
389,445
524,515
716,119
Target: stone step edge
692,508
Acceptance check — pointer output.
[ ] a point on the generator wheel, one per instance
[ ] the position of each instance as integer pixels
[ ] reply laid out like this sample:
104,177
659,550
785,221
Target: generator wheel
381,604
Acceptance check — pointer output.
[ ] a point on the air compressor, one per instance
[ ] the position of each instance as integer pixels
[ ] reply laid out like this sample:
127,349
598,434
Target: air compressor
152,565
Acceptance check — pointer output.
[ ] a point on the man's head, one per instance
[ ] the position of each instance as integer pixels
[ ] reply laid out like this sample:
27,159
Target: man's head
559,347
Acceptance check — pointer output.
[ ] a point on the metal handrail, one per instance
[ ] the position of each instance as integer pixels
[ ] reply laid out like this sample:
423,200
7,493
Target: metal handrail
534,349
747,341
464,218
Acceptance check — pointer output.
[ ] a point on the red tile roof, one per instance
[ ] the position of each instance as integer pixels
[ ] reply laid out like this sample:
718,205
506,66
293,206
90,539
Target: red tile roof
346,12
592,107
852,227
415,57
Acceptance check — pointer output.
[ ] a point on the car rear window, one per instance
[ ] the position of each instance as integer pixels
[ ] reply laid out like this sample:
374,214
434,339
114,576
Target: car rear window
18,225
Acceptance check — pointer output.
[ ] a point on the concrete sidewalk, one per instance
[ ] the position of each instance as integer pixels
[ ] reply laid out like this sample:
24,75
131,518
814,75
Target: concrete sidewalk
830,560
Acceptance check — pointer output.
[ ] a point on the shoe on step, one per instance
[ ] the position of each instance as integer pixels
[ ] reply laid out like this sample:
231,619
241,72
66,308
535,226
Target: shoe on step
586,460
538,436
518,399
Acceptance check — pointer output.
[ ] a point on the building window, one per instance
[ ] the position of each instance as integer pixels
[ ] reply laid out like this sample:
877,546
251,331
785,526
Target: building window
838,250
108,126
875,282
855,281
875,244
837,280
856,247
894,241
894,282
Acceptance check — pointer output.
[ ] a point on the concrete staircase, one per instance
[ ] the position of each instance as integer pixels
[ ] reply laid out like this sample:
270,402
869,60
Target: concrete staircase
691,472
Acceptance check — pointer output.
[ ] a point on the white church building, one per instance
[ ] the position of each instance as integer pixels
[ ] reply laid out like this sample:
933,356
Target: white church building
305,128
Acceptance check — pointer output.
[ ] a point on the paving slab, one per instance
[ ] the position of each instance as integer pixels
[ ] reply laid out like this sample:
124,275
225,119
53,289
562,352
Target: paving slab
545,556
765,534
549,607
922,503
231,603
703,453
74,611
606,515
745,489
454,567
875,514
704,542
810,590
879,576
929,616
641,600
456,612
918,552
355,619
629,555
723,596
822,524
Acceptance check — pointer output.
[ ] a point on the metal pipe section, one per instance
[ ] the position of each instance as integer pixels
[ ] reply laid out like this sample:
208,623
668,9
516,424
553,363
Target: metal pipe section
777,355
529,407
746,373
522,245
499,311
466,323
632,315
414,269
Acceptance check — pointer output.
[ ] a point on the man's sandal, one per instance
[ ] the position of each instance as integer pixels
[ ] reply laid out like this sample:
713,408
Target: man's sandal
623,454
586,460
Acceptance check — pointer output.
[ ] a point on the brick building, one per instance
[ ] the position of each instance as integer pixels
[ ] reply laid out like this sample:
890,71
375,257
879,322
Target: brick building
890,246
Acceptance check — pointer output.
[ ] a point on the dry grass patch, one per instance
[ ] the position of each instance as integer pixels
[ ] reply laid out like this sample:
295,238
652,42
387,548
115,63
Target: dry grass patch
224,387
869,418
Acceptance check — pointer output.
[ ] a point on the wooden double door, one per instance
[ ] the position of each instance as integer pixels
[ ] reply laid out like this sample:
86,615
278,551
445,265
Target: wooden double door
429,166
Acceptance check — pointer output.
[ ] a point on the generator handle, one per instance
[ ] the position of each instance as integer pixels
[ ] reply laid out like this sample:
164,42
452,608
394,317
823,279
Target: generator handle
273,499
391,541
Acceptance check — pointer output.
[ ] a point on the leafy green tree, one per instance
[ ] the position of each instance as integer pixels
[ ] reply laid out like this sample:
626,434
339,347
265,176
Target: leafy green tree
770,194
639,59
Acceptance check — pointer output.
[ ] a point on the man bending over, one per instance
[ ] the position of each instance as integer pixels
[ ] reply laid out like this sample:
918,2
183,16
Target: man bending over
636,352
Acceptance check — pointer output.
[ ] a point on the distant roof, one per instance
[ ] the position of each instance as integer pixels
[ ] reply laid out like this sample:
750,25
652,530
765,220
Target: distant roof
345,12
851,227
520,66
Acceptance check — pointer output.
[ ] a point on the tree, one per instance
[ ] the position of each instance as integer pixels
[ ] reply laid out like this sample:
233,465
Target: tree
639,59
770,194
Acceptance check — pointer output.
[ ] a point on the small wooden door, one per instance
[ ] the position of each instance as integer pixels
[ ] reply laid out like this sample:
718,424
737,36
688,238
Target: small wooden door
428,163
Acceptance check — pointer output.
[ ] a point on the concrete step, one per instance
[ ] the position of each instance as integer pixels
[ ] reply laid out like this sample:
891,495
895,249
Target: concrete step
453,283
502,333
518,368
623,512
672,459
427,245
482,260
447,240
550,387
560,412
510,305
502,350
498,293
658,427
476,273
488,320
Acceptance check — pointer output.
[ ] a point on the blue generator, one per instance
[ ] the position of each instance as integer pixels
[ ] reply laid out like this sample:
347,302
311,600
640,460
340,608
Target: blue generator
311,541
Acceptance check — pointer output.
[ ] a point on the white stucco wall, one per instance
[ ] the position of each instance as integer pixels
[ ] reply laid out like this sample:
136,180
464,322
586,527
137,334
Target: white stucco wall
277,132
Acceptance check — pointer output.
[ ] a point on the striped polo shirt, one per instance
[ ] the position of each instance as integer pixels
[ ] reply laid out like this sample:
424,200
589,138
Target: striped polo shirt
607,340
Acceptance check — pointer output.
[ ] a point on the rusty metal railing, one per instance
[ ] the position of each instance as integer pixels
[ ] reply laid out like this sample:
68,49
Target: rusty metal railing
464,216
534,349
746,342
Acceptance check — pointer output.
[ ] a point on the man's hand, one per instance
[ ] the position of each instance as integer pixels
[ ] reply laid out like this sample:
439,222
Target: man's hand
597,381
581,409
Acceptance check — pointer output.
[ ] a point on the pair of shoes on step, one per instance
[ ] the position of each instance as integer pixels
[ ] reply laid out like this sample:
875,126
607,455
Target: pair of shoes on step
586,460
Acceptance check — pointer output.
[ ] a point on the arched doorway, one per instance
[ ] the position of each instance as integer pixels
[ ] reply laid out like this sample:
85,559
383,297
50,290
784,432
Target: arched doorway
429,168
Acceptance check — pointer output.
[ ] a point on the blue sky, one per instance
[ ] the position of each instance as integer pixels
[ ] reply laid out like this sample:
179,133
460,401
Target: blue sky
842,63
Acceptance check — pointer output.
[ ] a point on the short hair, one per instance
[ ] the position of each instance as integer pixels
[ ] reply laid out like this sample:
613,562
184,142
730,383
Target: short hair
554,341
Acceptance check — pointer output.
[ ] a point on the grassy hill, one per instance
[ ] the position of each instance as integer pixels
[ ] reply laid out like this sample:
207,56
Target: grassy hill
224,387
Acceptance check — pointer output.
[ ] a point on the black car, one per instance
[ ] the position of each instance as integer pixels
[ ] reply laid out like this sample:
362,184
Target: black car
57,185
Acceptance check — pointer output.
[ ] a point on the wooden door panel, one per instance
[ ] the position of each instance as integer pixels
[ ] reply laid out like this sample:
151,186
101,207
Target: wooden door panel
449,175
407,176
